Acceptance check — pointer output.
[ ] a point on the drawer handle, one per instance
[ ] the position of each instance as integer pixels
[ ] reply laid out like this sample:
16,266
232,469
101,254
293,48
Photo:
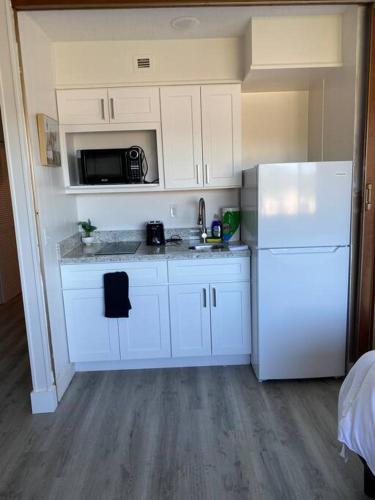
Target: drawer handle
204,297
102,106
214,296
207,173
112,108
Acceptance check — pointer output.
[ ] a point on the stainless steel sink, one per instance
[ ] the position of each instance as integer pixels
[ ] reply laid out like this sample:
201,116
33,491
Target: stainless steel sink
208,246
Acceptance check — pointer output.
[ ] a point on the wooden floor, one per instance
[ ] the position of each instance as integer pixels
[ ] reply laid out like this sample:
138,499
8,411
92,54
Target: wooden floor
181,434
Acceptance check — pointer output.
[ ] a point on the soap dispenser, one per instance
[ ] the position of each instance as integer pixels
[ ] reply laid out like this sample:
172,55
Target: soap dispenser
216,228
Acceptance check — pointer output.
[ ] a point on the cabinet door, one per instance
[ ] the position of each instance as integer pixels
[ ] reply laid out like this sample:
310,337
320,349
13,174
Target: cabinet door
146,334
83,106
190,320
230,318
130,104
91,336
221,131
182,136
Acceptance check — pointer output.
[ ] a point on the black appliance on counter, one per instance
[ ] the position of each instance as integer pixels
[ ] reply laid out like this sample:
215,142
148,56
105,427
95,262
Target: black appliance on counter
113,166
155,233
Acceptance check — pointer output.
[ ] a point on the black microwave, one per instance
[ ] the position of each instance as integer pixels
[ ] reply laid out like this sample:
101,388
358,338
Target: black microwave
112,166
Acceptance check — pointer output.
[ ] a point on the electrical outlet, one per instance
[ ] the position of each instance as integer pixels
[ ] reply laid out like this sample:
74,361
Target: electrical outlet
173,211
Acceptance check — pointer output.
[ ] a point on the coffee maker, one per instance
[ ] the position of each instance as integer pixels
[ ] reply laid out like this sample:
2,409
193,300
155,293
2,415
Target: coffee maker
155,233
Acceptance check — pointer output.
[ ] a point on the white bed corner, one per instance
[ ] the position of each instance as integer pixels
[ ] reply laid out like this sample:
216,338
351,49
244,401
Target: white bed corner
356,410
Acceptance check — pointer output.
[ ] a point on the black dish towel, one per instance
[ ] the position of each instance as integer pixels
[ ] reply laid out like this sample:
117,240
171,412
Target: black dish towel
116,295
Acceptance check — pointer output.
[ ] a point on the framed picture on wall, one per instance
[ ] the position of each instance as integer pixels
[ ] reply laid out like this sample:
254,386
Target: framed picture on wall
49,142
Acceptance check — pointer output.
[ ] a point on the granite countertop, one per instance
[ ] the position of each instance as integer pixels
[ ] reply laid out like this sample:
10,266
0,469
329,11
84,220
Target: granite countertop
86,254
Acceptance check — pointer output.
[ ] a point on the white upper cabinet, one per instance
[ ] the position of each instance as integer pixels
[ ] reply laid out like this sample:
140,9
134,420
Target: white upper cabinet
182,136
201,127
82,106
134,104
221,133
294,42
200,121
117,105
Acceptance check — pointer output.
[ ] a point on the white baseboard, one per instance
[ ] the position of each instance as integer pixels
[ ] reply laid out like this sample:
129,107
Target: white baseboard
63,380
44,401
137,364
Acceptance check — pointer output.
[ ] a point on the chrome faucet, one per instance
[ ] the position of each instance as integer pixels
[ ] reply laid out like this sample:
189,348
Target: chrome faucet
202,219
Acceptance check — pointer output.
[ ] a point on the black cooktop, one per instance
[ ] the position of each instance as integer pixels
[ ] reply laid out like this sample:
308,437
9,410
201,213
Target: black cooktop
119,248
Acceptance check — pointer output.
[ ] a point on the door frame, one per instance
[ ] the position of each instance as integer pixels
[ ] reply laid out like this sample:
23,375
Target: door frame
16,143
43,395
364,340
113,4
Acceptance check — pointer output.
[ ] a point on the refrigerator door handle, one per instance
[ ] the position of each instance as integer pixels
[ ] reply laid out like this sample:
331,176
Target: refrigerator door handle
303,250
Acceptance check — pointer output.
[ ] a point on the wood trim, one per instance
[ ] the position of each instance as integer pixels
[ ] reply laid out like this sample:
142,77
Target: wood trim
366,300
103,4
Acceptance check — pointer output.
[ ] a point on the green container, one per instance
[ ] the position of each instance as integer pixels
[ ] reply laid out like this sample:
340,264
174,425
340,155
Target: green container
231,218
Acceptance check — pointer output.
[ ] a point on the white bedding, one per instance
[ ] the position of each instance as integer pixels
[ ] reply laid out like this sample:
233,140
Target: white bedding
356,411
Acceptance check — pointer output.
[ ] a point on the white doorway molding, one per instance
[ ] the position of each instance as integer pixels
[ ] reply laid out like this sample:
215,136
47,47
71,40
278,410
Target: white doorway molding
43,396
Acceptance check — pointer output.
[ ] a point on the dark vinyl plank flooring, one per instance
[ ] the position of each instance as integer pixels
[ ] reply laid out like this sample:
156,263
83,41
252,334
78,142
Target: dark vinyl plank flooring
176,434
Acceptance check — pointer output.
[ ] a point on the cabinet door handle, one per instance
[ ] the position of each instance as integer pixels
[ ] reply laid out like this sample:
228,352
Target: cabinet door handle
204,297
102,106
368,201
197,173
214,296
112,108
207,173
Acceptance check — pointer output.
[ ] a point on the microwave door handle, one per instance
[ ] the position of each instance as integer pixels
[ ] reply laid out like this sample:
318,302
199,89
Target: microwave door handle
125,167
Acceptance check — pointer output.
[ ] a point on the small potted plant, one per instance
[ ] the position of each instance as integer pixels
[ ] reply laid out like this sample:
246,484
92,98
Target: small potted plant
87,229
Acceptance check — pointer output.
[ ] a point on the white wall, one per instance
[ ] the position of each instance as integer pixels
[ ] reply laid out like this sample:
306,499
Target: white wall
316,121
333,99
132,210
339,97
57,212
101,63
274,127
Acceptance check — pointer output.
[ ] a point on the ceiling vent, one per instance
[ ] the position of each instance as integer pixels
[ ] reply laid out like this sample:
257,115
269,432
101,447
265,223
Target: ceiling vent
184,23
143,64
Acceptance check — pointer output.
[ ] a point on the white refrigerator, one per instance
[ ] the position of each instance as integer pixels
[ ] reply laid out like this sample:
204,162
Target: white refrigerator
296,219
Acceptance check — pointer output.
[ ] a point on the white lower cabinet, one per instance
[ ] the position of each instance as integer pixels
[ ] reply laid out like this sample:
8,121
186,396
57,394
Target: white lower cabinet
146,334
91,336
190,320
230,318
210,319
182,309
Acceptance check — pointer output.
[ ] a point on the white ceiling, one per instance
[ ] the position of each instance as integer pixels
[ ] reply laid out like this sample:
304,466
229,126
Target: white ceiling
154,24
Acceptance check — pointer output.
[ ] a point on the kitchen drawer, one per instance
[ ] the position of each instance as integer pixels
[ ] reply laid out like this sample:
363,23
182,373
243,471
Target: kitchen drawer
209,270
77,276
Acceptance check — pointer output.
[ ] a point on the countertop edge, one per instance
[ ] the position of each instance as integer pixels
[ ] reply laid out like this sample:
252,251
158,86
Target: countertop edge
183,254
